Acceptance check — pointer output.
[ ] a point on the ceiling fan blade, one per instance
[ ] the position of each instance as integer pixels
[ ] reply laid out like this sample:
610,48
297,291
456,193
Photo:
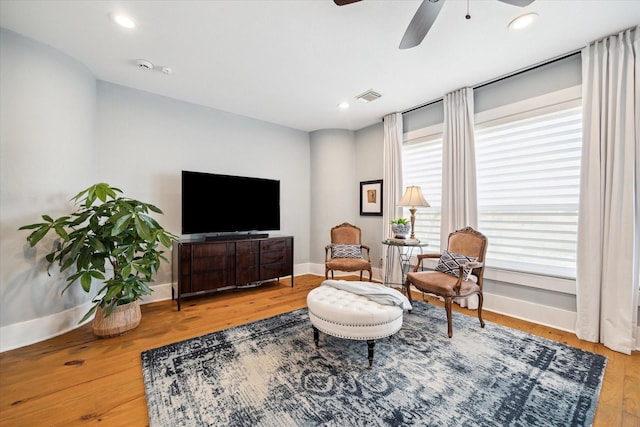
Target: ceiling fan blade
344,2
519,3
421,23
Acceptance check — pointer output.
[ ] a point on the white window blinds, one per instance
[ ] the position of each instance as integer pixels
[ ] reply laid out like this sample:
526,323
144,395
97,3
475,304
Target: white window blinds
422,166
528,178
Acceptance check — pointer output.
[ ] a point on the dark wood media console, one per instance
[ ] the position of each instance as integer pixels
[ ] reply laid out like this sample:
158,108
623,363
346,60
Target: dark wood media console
201,267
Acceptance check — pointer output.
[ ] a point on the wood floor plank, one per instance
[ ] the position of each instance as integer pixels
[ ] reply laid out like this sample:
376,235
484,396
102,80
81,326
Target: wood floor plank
631,387
78,379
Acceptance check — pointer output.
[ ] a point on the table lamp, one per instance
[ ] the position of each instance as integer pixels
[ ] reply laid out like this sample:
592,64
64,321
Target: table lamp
413,197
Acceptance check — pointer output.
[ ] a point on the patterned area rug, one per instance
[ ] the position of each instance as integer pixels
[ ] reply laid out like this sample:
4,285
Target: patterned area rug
269,373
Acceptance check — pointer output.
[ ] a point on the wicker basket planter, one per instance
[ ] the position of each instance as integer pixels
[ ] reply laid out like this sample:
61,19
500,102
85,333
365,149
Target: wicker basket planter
123,319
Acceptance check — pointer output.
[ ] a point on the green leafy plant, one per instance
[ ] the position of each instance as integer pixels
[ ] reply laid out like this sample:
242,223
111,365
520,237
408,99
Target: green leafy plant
398,221
118,232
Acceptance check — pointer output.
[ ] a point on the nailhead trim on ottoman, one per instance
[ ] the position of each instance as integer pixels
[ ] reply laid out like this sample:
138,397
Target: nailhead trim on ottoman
346,315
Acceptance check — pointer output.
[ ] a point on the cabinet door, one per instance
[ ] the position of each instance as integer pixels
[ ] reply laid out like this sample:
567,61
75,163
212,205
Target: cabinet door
212,266
276,257
184,272
247,262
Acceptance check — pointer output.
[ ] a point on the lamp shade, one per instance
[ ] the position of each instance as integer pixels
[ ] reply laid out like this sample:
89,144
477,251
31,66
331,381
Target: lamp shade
413,197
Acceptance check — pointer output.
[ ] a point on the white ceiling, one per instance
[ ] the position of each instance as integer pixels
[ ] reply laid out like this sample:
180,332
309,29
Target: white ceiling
291,62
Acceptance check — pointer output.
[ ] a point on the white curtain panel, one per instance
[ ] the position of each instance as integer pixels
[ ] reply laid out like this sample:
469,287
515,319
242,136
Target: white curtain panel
392,188
609,219
459,197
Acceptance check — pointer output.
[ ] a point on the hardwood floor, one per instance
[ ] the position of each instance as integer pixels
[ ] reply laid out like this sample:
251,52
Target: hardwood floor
77,379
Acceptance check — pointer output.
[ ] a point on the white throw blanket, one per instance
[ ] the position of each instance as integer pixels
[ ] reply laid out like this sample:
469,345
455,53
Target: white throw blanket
378,293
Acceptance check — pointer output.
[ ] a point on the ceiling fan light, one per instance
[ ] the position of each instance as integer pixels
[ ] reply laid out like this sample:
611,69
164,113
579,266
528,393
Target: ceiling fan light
123,20
522,21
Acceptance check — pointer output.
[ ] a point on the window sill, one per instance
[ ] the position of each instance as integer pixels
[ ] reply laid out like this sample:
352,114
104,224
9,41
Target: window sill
551,283
556,284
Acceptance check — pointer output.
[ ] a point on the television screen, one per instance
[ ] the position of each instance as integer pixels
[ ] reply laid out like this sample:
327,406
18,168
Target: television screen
213,203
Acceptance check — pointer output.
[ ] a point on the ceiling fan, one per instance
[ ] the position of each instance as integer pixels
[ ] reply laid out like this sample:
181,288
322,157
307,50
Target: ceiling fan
425,17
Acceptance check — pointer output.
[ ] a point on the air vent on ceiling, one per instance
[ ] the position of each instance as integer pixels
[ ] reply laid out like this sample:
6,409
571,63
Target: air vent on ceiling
368,96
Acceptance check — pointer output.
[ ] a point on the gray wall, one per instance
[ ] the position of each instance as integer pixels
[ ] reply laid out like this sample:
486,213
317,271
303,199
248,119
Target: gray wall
47,115
61,131
340,160
334,197
144,141
369,166
544,79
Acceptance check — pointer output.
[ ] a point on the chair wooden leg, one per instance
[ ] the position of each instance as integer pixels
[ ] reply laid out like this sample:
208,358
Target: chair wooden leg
480,298
447,307
361,275
408,287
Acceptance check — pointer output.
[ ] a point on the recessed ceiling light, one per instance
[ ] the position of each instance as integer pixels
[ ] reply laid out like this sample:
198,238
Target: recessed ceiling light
123,20
343,105
522,21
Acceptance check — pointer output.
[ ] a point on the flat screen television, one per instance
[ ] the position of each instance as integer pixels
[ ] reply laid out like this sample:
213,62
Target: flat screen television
213,204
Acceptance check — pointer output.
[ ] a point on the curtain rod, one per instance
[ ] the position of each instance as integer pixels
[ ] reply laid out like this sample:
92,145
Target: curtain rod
503,77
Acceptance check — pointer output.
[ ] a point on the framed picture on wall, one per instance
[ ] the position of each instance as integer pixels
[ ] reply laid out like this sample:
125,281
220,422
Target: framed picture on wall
371,198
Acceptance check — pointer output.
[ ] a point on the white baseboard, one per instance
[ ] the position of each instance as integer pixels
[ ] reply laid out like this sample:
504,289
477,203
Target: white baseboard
32,331
536,313
318,270
36,330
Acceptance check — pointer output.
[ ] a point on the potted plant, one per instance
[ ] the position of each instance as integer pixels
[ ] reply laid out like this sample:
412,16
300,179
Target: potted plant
400,228
115,238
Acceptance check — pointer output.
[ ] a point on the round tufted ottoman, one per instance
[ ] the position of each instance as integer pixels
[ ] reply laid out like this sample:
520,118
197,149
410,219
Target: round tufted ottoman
344,314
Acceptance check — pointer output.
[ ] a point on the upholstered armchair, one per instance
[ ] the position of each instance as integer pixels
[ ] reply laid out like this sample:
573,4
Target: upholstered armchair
458,273
345,253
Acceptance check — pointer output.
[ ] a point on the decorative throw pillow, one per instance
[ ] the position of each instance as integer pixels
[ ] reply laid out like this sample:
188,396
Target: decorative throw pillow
346,251
450,263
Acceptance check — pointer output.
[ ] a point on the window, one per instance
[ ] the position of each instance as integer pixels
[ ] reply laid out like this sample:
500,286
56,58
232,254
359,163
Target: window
422,166
528,182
